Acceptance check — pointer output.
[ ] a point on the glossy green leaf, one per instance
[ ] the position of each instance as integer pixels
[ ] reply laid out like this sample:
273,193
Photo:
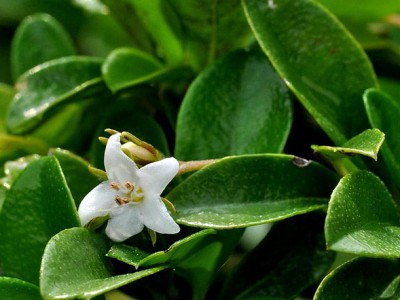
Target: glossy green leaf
196,257
162,24
210,28
37,206
367,143
249,190
48,85
238,105
125,67
74,265
384,113
75,169
320,61
362,218
12,289
361,278
45,38
6,95
390,86
289,260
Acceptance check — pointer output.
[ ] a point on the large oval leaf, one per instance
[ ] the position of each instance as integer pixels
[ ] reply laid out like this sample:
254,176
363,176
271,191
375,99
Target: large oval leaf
362,218
239,105
74,265
49,84
320,61
12,289
362,278
249,190
37,206
38,38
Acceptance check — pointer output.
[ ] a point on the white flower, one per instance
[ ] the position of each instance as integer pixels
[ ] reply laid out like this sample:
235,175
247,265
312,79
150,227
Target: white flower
130,196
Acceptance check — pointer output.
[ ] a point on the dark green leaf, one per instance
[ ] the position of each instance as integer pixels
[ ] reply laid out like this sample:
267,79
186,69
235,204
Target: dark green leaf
38,38
210,28
362,278
249,190
238,105
50,84
74,266
162,24
366,143
290,259
362,217
196,257
80,181
37,206
13,289
384,113
320,61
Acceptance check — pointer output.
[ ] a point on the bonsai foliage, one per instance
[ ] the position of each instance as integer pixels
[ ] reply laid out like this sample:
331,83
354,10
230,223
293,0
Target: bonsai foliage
168,149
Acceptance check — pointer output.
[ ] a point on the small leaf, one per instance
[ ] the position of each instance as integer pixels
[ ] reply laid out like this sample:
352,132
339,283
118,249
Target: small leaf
249,190
361,278
321,63
74,266
37,206
12,289
238,105
367,143
289,260
45,38
384,113
48,85
125,67
362,218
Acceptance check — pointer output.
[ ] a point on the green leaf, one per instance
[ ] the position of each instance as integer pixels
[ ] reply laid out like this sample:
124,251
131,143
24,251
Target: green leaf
162,24
13,147
12,289
45,87
238,105
37,206
362,218
321,63
38,38
361,278
249,190
289,260
125,67
371,10
196,257
367,143
6,95
75,169
384,113
210,28
74,266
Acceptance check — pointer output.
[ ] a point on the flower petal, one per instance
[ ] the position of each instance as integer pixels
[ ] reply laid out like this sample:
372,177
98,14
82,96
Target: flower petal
98,203
155,216
156,176
124,223
119,167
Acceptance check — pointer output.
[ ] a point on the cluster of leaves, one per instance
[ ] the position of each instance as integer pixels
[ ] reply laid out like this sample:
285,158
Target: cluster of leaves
245,81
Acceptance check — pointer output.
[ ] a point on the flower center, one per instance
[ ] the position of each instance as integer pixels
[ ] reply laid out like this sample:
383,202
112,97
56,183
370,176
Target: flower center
130,193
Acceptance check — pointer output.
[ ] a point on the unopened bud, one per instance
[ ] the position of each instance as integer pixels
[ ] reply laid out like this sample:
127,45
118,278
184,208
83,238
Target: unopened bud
139,154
